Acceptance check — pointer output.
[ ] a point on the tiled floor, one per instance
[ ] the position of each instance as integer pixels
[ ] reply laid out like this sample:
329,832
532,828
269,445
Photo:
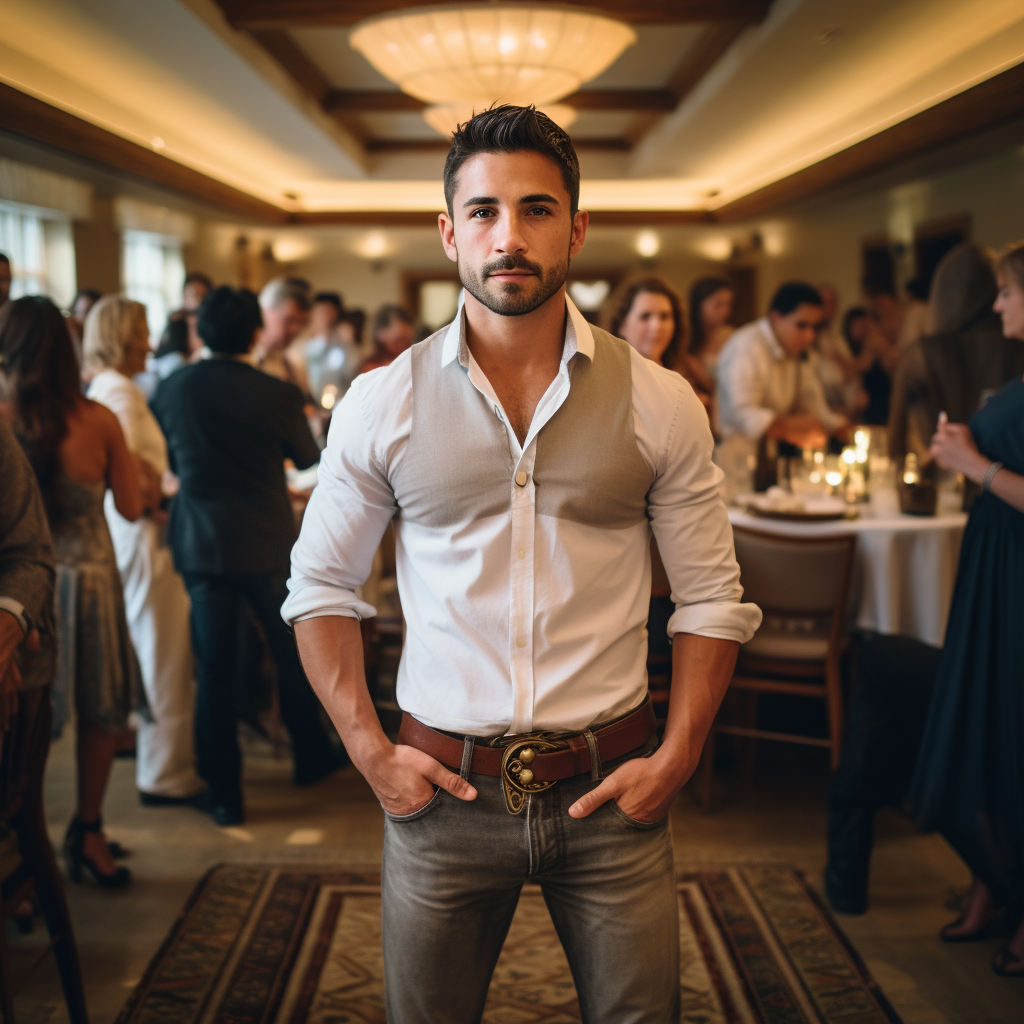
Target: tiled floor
778,817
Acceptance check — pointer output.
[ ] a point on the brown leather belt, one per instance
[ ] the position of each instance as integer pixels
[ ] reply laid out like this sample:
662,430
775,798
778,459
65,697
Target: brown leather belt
533,762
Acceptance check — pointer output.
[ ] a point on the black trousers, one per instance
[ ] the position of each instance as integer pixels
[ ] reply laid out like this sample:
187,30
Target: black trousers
216,601
889,697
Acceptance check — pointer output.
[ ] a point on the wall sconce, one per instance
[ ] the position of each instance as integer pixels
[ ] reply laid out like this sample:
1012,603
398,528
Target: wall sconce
648,244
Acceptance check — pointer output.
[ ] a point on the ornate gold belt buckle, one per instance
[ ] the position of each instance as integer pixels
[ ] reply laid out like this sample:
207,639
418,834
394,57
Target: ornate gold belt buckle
517,778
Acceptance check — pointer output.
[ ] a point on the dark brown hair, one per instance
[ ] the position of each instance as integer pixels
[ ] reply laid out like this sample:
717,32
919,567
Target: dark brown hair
38,361
703,289
617,308
511,129
1011,263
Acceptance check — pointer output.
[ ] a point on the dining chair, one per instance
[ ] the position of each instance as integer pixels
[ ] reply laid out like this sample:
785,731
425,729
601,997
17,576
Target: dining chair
802,586
28,865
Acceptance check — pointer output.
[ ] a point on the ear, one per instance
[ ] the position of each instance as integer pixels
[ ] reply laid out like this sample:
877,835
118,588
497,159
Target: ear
580,222
446,226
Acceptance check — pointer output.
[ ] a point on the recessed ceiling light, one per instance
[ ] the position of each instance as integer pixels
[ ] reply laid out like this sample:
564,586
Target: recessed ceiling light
157,143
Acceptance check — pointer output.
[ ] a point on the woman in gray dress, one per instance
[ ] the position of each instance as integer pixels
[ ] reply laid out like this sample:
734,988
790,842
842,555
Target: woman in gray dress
77,451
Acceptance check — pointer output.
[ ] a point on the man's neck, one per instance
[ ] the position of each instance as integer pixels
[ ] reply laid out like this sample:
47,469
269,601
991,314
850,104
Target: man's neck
519,355
528,341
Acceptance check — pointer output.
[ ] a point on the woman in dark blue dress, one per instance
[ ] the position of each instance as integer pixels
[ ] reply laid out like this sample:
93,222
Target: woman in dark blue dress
969,782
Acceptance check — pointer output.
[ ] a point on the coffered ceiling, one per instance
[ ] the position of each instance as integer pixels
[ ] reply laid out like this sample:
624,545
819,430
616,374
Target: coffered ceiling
721,108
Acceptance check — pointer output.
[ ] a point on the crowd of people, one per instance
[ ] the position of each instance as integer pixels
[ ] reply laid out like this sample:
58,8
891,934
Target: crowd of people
161,478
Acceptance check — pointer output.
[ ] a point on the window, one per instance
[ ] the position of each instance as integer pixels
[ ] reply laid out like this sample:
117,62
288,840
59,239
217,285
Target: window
41,251
153,273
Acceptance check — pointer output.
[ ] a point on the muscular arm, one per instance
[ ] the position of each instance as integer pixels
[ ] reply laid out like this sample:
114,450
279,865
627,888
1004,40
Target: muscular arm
402,777
645,787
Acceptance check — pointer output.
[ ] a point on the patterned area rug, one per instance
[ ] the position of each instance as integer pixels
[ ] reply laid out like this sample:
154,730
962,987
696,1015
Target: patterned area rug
273,945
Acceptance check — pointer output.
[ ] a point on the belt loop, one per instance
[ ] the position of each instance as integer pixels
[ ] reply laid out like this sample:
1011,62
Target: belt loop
595,757
467,757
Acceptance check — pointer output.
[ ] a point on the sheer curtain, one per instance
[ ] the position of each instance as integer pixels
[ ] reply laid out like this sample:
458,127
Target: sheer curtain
41,249
152,272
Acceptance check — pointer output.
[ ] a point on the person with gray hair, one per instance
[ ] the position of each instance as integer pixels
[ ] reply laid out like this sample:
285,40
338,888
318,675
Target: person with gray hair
115,346
284,303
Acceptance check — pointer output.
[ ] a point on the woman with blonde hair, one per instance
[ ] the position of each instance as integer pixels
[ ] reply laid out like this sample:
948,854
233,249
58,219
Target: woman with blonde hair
969,782
115,344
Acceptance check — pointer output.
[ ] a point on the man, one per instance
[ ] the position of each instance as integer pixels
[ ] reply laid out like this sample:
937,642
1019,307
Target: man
5,279
888,704
194,290
767,389
393,332
285,308
229,429
524,457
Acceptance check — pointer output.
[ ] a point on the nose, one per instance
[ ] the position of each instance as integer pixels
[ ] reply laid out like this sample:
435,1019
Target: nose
510,239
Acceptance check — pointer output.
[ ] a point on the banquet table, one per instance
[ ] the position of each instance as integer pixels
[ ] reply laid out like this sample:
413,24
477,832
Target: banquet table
904,566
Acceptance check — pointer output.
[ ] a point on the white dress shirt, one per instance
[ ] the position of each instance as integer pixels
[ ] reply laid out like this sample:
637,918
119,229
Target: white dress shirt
758,381
521,620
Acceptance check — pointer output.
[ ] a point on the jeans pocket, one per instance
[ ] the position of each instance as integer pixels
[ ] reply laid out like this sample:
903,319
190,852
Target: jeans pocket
641,826
420,811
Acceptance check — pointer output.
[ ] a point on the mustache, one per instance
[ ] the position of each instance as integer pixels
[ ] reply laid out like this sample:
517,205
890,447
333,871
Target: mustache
514,262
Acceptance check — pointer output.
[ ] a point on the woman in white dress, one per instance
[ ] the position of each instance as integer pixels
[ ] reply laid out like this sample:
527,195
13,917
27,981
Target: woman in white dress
115,345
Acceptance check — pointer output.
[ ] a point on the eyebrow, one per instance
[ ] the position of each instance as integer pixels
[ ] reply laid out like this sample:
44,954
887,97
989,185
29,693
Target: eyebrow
540,197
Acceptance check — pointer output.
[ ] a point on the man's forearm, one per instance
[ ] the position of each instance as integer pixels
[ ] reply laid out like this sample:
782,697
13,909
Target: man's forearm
702,668
331,649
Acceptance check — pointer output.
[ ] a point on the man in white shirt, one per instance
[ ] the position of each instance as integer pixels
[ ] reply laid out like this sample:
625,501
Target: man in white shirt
525,458
767,387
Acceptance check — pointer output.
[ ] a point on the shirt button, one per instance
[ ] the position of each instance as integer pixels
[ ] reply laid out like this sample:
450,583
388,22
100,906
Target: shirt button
520,641
522,477
522,552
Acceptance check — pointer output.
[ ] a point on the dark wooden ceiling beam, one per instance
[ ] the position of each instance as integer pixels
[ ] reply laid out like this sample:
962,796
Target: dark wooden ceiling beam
999,99
364,101
34,119
257,14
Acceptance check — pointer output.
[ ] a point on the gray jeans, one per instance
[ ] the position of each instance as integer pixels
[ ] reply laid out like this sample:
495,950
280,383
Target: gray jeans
452,875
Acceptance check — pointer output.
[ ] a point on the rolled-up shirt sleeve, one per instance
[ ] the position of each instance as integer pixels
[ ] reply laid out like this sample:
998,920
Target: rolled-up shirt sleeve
345,519
692,528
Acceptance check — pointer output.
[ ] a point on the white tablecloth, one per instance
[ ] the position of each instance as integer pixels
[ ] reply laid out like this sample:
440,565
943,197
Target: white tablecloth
905,567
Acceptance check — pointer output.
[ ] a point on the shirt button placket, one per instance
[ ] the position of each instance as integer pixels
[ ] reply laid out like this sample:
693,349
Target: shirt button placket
521,594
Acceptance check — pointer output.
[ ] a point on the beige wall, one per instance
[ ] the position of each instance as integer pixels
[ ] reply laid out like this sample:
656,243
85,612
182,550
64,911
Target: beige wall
98,249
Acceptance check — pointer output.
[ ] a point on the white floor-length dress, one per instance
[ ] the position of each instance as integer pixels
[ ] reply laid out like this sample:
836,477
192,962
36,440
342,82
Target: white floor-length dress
157,608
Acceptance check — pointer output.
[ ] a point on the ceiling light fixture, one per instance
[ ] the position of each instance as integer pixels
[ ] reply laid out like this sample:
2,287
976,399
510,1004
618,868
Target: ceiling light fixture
453,57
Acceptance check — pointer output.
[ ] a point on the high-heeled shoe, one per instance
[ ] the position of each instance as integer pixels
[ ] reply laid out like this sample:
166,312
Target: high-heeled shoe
74,854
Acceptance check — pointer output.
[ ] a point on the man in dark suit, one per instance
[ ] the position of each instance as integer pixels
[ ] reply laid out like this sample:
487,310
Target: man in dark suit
229,429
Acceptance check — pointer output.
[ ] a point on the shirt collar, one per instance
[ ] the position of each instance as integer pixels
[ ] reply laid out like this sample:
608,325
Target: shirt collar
773,343
578,336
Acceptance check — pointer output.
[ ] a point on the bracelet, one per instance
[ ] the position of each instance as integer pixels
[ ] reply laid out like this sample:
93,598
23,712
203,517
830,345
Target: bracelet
986,482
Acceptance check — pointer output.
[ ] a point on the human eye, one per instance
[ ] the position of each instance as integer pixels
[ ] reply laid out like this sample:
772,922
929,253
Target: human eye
481,213
542,211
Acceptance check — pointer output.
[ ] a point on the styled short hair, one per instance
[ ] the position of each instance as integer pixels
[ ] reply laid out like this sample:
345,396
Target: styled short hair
388,314
198,277
279,290
333,298
4,258
511,129
793,294
109,326
228,319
